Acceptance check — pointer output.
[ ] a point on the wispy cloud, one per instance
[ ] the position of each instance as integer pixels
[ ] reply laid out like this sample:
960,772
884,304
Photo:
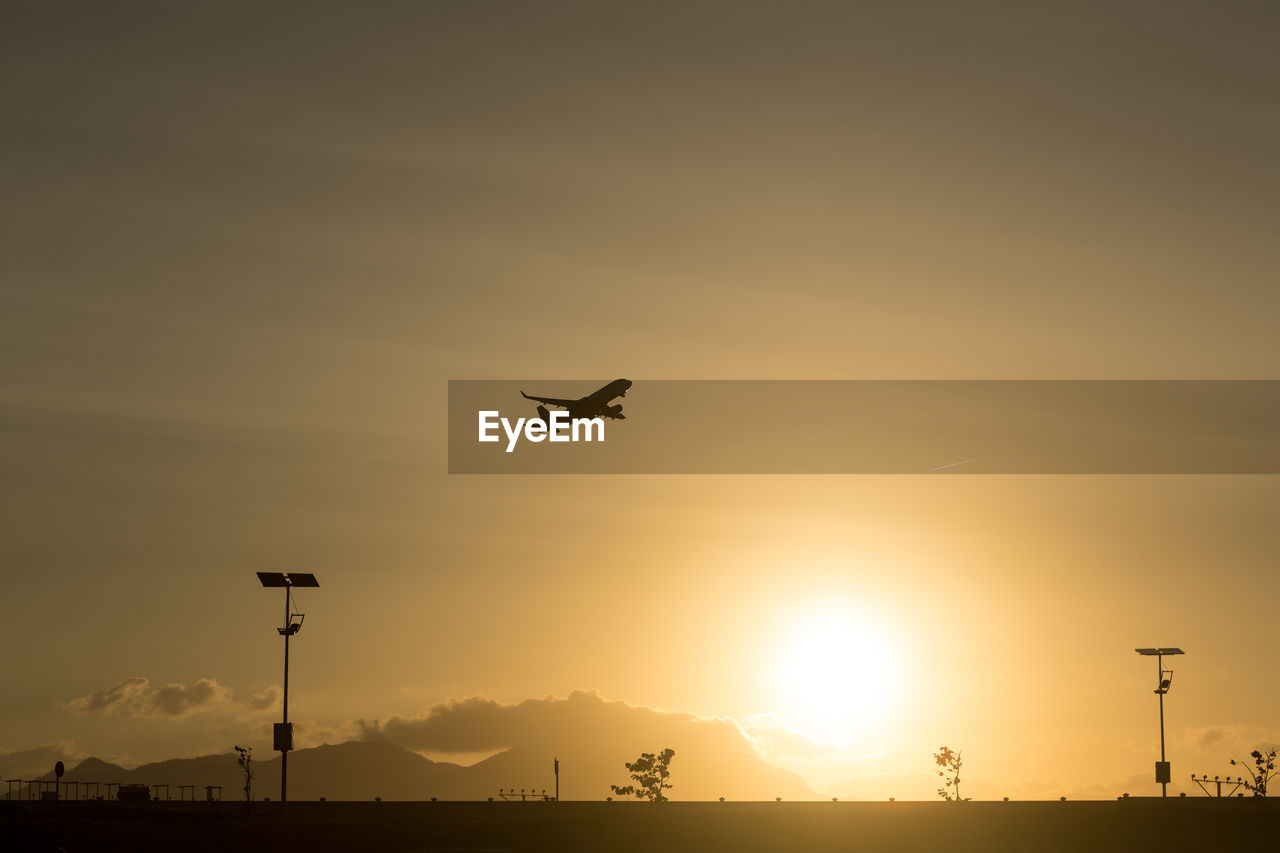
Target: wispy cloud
136,697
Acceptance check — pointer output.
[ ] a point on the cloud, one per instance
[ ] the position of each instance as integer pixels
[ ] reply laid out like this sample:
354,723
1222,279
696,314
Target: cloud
1210,737
780,740
177,700
135,697
38,760
715,756
459,725
266,700
1226,740
478,723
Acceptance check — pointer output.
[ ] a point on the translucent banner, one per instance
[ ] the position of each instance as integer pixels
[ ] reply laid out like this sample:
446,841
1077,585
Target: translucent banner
550,426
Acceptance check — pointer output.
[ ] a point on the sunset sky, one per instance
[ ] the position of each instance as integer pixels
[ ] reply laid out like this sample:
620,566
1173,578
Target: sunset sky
244,251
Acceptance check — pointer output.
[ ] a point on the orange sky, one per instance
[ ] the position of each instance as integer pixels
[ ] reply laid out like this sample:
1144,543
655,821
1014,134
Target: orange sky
243,252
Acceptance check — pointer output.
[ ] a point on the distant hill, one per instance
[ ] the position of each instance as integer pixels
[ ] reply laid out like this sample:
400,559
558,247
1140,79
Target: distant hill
362,770
94,770
592,737
349,771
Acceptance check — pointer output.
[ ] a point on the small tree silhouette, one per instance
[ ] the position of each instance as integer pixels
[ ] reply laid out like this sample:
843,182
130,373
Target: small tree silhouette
650,773
245,760
1264,768
949,760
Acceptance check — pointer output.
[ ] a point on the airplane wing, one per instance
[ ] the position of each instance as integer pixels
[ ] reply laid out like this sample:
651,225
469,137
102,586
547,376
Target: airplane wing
550,401
617,388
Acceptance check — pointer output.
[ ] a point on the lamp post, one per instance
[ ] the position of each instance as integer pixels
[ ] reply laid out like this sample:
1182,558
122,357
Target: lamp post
283,731
1164,678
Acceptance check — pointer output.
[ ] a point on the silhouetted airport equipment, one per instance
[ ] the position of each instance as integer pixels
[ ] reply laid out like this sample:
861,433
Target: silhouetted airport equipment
557,780
1219,782
525,793
58,770
155,791
133,793
9,794
209,791
111,785
1164,678
283,731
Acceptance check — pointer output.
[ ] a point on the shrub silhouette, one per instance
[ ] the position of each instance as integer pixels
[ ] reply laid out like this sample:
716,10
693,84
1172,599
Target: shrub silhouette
650,773
949,760
1264,768
245,760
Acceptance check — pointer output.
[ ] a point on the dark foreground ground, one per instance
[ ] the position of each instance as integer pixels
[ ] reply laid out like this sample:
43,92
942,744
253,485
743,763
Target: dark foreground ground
1198,824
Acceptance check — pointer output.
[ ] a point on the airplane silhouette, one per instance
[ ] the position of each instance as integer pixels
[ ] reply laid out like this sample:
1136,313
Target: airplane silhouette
594,405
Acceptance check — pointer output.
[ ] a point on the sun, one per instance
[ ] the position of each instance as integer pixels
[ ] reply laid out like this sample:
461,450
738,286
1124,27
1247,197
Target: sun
836,674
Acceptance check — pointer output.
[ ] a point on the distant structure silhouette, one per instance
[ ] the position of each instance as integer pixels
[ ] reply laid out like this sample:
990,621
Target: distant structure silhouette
283,734
1164,678
1217,782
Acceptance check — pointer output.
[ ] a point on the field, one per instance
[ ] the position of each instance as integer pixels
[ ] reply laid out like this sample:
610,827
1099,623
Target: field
1199,824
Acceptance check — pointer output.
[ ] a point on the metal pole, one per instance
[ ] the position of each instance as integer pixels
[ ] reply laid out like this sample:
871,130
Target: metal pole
284,753
1164,786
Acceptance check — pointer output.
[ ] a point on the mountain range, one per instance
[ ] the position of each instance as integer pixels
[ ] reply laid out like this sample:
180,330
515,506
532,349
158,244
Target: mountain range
363,770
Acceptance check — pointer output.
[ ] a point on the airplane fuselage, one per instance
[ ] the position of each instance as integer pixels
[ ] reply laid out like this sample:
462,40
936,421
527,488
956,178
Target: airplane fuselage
594,405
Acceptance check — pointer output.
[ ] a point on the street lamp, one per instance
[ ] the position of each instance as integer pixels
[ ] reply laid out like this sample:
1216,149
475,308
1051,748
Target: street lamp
1164,678
283,731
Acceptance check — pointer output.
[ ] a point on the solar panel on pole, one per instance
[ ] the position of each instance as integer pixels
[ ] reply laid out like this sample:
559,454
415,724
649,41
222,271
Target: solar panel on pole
1163,775
283,729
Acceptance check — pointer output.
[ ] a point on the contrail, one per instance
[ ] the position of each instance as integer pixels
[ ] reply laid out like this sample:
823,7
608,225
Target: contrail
954,464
